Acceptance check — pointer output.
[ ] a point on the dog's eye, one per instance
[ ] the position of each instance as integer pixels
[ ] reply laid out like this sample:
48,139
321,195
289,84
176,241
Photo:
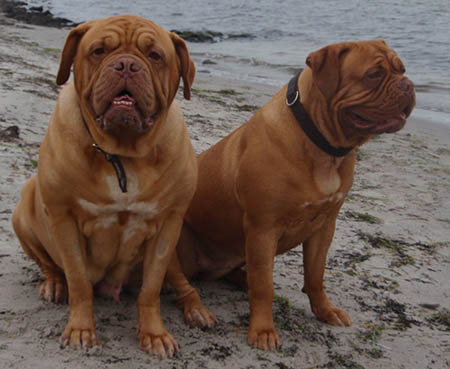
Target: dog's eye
377,74
374,75
99,51
153,55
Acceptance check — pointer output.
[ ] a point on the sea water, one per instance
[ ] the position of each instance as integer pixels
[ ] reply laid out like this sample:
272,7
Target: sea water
268,41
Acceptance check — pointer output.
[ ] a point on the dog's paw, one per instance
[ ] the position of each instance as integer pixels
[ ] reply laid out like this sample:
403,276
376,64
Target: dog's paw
264,339
200,316
195,313
79,338
334,316
53,290
163,346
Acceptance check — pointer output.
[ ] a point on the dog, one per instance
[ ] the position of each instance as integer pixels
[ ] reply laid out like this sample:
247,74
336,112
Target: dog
280,179
116,173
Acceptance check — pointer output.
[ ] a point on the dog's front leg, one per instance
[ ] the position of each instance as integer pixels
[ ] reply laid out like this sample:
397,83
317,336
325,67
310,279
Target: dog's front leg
153,337
80,329
260,249
315,251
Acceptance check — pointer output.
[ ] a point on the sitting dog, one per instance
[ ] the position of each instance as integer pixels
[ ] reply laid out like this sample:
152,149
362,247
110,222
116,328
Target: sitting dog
280,179
115,176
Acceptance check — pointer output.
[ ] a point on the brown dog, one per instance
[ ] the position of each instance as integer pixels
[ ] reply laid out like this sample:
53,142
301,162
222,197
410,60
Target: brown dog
279,181
116,174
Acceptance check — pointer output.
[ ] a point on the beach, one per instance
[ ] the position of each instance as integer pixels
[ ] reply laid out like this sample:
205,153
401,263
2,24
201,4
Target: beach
388,266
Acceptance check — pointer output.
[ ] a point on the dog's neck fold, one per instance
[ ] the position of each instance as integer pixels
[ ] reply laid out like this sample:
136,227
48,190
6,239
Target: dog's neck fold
320,111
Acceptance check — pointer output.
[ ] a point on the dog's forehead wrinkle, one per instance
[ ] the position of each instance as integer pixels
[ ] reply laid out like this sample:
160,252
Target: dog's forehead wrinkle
146,39
116,34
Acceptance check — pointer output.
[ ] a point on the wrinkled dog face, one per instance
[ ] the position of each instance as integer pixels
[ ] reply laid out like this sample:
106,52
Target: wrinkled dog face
380,97
127,71
366,86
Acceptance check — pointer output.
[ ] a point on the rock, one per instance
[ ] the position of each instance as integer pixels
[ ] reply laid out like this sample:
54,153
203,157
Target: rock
10,133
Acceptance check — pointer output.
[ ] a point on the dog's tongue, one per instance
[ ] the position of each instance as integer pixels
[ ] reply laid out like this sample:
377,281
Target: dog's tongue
391,125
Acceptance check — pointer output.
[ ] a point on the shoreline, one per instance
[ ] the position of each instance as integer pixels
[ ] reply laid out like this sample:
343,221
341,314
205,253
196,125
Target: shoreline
243,57
388,265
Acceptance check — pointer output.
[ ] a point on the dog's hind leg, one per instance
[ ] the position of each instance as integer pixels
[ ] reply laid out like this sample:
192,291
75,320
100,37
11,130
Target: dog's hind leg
54,287
195,313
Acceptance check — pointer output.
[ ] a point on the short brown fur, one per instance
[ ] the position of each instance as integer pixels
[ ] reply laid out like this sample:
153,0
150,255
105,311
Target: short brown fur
73,220
267,188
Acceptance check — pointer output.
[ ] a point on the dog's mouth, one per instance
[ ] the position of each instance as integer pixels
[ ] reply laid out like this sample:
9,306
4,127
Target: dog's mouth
124,112
362,123
124,100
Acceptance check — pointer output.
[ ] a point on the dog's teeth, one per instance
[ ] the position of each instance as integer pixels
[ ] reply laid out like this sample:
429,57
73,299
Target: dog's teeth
129,103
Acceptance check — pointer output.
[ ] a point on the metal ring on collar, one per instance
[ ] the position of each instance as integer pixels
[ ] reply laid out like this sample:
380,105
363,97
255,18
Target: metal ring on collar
293,101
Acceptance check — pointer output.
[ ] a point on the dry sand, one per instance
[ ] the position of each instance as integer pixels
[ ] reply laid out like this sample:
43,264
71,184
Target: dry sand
389,265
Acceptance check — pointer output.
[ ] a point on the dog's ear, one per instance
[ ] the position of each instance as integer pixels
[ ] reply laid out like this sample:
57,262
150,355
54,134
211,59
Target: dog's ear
381,42
325,66
70,50
187,65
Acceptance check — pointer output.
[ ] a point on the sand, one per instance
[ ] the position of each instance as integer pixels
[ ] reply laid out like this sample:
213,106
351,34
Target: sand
388,267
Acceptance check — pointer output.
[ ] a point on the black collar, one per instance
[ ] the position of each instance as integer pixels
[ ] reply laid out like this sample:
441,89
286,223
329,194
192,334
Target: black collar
114,160
308,126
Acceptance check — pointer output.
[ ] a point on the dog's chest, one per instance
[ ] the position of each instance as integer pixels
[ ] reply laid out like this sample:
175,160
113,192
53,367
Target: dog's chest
115,230
316,205
308,217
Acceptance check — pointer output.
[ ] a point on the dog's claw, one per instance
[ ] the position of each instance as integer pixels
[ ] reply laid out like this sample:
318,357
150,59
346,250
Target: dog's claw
200,317
264,340
195,313
63,342
339,317
78,339
334,316
326,312
53,290
162,345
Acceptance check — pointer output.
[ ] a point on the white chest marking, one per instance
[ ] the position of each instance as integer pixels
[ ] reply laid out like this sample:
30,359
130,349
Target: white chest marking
145,209
107,214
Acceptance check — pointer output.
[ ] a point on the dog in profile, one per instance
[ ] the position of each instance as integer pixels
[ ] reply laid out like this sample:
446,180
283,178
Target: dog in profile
280,179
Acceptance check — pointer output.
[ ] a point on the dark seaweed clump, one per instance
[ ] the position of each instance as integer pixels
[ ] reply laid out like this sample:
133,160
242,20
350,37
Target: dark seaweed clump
34,15
208,36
